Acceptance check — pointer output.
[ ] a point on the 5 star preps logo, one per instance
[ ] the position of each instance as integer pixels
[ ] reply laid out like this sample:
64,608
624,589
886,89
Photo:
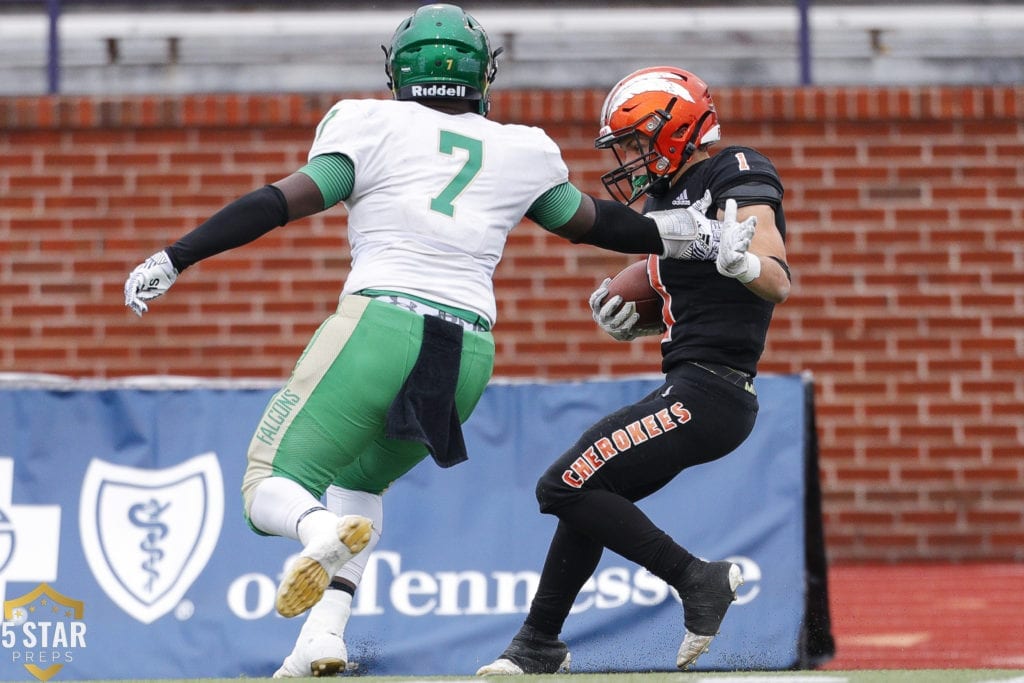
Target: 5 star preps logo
42,630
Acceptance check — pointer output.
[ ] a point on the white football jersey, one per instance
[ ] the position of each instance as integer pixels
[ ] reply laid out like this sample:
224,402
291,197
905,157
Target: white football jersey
435,196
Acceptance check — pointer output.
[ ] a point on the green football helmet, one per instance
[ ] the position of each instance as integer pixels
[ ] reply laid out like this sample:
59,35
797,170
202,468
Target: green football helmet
441,51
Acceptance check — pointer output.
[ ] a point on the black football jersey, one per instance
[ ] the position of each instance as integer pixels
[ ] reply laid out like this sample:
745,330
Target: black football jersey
715,318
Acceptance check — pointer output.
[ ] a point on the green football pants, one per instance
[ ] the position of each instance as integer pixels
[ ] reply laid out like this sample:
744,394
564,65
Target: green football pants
326,425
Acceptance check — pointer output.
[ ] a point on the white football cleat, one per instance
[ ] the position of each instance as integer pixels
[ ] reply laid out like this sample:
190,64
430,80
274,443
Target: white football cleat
308,577
530,652
506,667
705,607
692,647
500,667
322,655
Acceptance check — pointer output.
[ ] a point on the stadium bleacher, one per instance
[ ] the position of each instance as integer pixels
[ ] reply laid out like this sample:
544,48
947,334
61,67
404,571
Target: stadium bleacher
122,48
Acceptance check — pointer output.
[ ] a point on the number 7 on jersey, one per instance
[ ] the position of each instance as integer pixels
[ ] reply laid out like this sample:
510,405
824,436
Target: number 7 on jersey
448,143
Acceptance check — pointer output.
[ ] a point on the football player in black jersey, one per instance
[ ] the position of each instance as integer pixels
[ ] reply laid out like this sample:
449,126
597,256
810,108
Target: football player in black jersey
661,122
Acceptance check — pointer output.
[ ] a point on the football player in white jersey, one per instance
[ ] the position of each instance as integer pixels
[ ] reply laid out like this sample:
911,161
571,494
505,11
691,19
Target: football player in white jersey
432,188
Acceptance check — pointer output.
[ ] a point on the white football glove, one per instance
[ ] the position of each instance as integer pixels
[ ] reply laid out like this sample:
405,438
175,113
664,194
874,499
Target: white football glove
616,318
150,279
733,258
687,233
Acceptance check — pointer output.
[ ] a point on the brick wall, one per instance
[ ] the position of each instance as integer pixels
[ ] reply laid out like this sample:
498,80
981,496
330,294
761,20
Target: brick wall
905,213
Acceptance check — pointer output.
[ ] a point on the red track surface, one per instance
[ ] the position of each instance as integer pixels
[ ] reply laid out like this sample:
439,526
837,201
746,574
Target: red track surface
927,616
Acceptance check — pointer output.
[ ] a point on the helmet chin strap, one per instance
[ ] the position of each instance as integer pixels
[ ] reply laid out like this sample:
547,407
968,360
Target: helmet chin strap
387,66
659,187
493,71
691,144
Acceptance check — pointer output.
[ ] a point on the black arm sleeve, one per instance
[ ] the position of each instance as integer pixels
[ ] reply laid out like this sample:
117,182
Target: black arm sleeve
619,228
238,223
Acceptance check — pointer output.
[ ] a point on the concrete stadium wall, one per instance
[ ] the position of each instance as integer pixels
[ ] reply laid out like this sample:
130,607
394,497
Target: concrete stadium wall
905,213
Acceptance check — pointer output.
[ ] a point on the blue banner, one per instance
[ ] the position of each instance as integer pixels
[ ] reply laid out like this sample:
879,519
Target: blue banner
121,523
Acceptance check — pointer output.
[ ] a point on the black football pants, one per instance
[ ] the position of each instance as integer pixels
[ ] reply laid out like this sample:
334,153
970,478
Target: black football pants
693,418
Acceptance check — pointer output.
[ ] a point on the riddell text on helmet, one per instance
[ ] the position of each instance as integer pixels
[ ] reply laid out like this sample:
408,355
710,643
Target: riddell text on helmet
438,90
606,448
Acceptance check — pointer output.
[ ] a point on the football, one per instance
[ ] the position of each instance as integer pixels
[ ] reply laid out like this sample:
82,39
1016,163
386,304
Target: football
632,284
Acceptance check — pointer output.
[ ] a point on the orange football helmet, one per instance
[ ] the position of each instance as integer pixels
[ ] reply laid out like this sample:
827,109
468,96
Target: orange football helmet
654,120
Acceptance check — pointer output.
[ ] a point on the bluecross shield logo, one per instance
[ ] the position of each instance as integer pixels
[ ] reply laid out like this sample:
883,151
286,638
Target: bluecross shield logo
42,630
148,534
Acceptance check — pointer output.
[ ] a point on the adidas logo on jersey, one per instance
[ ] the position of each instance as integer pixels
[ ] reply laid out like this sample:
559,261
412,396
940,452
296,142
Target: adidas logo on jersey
437,90
681,200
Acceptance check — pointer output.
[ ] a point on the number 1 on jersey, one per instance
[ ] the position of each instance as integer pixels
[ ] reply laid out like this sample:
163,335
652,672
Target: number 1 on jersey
445,202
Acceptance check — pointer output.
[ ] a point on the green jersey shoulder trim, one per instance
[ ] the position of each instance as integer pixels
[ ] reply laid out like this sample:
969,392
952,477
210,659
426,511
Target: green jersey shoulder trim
554,208
334,174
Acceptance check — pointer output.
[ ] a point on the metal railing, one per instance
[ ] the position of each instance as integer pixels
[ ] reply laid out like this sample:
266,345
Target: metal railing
101,47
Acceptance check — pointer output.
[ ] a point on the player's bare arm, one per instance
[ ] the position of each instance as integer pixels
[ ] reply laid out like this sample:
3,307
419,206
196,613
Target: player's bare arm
301,194
581,222
767,244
